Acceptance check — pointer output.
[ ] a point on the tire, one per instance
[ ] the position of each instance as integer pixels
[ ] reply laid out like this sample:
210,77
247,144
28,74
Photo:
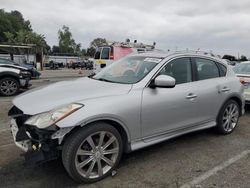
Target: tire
9,86
92,157
228,117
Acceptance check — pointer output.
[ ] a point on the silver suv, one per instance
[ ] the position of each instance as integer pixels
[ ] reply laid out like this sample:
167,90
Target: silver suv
135,102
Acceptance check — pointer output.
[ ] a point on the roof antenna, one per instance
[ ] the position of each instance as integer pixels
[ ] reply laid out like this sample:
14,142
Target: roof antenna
197,50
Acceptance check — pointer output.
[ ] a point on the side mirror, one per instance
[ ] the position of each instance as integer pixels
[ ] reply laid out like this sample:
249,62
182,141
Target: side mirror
163,81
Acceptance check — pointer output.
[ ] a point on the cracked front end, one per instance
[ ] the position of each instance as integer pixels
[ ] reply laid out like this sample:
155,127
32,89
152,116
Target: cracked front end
40,144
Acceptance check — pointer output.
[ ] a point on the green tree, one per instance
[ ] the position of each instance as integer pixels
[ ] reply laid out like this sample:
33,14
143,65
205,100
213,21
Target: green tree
229,57
243,58
98,42
66,42
27,37
12,22
55,49
90,51
83,52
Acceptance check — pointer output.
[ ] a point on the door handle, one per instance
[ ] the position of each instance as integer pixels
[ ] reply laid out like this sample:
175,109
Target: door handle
191,96
225,89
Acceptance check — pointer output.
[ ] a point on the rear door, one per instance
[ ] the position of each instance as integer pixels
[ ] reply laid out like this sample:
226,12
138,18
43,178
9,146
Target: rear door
212,88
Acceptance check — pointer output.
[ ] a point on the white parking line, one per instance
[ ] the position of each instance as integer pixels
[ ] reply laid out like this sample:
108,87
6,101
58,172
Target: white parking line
213,171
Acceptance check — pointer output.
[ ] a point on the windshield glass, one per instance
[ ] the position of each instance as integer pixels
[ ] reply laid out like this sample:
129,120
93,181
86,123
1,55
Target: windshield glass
97,53
128,70
243,68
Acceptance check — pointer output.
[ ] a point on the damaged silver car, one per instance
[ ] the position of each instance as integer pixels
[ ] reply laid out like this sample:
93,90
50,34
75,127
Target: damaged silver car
135,102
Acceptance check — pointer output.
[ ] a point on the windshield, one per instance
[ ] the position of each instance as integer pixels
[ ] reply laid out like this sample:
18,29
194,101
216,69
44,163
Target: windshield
243,68
97,53
128,70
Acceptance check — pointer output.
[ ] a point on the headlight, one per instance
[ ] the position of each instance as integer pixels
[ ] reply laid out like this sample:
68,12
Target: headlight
24,74
47,119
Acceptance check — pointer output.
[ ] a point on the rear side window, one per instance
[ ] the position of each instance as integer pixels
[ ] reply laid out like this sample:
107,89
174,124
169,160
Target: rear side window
105,53
223,70
206,69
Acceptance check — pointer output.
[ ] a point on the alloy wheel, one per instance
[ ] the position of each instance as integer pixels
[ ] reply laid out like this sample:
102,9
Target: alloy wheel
97,154
230,117
8,87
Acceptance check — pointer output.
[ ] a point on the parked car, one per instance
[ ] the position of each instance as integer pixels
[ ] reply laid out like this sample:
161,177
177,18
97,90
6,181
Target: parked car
137,101
86,64
232,63
242,70
77,65
12,79
52,65
8,63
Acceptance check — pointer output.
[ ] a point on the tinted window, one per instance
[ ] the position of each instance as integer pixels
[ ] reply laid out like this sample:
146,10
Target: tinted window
206,69
105,53
223,69
180,69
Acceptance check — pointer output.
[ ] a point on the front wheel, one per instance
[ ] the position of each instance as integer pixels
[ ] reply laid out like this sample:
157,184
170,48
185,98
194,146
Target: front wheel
91,153
228,117
9,86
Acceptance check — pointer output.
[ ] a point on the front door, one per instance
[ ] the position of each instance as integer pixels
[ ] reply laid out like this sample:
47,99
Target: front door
169,109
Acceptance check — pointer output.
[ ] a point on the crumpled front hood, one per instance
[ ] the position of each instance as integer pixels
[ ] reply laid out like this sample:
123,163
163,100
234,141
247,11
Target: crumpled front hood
61,93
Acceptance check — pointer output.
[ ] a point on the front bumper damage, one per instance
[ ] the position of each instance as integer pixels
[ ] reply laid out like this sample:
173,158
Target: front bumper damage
24,80
24,83
39,145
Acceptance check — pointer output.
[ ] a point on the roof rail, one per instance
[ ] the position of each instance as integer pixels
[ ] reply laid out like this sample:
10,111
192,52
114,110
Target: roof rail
197,52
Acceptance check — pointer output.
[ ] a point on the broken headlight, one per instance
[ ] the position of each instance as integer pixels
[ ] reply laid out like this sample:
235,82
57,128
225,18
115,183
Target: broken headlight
49,118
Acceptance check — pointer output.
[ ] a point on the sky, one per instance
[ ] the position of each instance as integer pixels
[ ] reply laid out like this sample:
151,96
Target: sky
220,26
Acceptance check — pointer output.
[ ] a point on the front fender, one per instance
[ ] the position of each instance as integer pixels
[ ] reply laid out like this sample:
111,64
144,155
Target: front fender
70,123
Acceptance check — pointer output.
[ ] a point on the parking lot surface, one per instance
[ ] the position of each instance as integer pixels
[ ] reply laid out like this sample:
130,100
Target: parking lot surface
200,159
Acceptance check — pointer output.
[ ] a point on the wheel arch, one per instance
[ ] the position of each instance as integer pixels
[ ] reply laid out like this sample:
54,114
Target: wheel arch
119,126
239,102
9,75
235,98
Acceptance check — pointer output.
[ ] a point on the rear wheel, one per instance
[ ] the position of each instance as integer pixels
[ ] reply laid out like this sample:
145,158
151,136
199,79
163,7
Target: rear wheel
91,153
9,86
228,117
